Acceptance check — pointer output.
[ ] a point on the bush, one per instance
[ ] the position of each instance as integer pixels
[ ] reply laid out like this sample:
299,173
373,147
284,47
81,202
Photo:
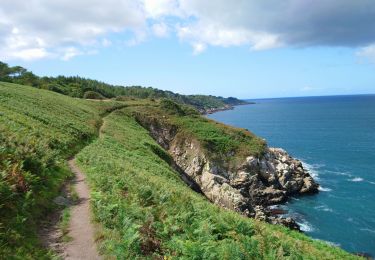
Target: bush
147,212
56,89
93,95
171,107
38,131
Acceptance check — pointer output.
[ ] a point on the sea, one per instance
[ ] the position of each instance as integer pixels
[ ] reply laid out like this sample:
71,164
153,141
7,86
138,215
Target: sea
334,137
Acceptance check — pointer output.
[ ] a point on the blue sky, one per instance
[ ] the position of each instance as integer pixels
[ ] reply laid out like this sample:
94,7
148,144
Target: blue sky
189,48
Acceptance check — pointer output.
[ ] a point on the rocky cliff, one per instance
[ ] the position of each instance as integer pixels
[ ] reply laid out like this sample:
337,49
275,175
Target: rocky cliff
249,187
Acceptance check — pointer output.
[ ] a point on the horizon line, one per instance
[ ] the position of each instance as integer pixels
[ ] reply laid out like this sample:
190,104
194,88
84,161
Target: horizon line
334,95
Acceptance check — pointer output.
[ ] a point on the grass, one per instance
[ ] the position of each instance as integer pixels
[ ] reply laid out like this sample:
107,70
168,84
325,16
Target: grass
39,129
143,208
65,217
222,143
147,212
73,194
64,224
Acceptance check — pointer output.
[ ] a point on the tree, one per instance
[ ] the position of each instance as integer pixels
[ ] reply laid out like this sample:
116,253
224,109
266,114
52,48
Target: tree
28,78
17,71
4,71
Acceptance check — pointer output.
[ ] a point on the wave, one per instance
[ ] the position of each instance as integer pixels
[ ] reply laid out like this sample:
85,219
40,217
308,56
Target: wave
340,173
305,226
352,177
328,242
356,179
323,208
324,189
332,243
312,169
368,230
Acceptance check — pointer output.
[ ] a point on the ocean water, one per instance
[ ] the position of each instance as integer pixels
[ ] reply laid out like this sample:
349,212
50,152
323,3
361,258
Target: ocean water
335,138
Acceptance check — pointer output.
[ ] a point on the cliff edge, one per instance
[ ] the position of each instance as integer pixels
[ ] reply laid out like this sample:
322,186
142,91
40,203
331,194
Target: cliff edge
230,173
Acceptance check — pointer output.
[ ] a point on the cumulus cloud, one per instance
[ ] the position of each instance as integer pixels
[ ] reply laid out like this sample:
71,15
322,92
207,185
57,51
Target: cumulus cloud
160,8
160,30
219,35
40,28
70,52
198,48
367,52
274,23
106,42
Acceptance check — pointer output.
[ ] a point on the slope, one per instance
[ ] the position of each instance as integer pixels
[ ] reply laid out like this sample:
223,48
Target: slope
82,87
147,211
39,130
143,207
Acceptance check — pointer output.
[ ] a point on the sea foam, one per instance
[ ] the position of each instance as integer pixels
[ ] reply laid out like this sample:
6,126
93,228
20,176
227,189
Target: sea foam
324,208
324,189
356,179
305,226
312,169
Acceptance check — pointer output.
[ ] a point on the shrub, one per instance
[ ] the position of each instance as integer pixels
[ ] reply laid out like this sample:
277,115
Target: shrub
171,107
93,95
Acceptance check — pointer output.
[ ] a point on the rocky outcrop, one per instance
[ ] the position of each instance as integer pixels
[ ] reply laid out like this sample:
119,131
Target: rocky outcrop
249,187
278,176
214,110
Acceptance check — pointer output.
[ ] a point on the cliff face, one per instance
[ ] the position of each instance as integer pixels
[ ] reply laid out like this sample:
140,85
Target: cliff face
249,187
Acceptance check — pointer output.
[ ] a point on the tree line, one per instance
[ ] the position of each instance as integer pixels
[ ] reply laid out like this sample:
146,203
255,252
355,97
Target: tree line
76,86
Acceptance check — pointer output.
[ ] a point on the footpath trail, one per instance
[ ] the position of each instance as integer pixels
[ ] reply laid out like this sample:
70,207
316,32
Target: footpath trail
81,230
82,245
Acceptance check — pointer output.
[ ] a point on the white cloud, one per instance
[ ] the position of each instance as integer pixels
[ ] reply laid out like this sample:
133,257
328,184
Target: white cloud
307,89
198,47
216,35
106,42
49,26
139,36
63,24
159,8
367,52
70,52
27,54
161,30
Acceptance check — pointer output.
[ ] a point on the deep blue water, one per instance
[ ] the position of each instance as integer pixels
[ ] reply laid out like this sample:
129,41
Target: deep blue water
335,138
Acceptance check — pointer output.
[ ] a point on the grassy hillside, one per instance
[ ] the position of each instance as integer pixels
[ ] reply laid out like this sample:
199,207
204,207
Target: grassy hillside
220,141
146,211
200,102
39,129
82,87
143,208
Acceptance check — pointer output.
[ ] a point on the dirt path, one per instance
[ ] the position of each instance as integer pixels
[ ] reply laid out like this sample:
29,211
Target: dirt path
81,230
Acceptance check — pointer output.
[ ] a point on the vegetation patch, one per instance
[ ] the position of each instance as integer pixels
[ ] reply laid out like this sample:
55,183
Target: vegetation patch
93,95
39,129
222,143
84,88
64,224
144,209
147,212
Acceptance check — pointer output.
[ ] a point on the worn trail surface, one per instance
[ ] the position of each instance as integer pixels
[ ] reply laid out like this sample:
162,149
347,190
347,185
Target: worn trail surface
81,230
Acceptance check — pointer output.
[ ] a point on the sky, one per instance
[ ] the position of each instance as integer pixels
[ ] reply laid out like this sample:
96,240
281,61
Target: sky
242,48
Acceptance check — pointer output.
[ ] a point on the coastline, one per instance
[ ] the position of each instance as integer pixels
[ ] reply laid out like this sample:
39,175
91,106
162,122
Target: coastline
272,212
281,124
210,111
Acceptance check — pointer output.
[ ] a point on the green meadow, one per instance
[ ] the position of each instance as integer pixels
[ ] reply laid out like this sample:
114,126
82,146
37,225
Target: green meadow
141,207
